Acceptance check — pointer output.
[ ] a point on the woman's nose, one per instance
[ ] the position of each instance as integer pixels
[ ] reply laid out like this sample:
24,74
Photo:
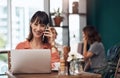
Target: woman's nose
38,27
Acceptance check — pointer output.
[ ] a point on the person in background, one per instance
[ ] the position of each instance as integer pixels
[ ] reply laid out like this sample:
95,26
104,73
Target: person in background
54,32
66,48
40,36
95,54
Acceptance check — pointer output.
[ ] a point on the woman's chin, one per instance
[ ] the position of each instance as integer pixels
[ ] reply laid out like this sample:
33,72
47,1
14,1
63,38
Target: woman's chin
37,36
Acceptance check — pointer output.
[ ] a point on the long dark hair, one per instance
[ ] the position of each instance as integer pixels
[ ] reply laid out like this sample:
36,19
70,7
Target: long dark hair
39,17
92,34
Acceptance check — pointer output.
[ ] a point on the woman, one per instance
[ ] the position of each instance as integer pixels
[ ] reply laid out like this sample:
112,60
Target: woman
65,48
40,36
55,34
95,54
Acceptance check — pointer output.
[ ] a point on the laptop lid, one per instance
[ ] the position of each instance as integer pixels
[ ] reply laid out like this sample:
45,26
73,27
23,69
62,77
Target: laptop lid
31,61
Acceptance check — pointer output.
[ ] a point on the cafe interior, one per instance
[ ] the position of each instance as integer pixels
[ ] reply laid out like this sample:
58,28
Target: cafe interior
74,15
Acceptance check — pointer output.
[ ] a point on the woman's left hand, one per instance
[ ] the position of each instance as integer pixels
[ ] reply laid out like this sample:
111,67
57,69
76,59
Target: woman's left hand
48,33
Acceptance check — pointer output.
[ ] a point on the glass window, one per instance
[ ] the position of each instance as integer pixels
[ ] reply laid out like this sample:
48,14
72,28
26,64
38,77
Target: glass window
55,4
3,35
3,63
74,28
3,24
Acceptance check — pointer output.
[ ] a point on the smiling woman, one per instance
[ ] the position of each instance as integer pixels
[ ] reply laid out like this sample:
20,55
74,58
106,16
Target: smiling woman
38,31
38,23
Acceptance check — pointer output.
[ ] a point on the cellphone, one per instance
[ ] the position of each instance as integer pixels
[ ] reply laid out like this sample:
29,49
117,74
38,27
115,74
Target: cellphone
44,38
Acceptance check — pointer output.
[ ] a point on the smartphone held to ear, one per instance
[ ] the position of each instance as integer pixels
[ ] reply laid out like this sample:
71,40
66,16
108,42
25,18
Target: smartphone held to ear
44,38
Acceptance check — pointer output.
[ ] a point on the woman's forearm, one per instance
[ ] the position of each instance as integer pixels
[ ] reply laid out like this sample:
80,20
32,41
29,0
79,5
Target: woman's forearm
87,65
85,49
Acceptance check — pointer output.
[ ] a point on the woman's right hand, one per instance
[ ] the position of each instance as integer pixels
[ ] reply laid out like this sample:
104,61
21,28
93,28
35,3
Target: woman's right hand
85,39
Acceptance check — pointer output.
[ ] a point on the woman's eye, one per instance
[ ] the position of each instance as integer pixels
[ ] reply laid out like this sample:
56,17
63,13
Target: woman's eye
36,24
42,25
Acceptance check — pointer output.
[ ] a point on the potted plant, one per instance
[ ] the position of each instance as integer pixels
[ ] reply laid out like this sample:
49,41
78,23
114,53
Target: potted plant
58,18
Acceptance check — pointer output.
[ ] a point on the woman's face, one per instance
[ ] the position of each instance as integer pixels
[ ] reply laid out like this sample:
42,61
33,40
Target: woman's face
54,34
37,29
84,36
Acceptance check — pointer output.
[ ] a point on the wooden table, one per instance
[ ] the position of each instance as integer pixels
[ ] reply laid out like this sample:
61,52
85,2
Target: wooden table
55,75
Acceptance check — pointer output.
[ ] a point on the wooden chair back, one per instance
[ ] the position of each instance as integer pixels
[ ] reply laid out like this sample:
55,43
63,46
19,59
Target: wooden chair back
117,72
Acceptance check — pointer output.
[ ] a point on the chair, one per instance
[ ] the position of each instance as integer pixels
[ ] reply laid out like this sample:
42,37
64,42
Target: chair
80,48
117,72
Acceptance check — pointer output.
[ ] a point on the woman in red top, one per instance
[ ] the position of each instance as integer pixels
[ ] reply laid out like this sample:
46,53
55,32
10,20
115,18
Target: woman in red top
40,36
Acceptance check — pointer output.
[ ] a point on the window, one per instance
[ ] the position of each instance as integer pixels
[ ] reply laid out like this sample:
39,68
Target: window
55,4
74,27
3,24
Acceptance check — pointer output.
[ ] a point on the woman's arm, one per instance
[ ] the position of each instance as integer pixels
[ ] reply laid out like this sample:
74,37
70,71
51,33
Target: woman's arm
87,65
86,54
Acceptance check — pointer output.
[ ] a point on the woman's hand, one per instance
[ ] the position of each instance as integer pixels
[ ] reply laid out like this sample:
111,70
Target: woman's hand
85,53
85,39
48,33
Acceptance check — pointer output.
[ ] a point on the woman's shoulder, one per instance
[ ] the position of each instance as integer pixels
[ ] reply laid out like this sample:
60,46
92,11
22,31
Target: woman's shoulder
23,45
97,44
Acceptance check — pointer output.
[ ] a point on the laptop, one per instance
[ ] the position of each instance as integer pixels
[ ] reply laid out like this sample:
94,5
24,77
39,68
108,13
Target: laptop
30,61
